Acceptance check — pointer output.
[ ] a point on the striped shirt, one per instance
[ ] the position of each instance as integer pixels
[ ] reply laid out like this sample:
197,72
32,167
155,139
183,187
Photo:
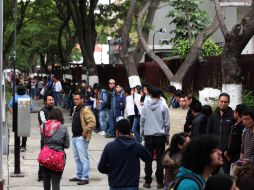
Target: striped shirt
247,147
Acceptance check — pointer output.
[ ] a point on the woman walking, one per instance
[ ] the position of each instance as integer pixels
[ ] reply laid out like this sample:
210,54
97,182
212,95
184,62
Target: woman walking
56,137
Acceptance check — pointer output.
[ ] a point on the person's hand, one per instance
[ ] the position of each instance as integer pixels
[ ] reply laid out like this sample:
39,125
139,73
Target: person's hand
167,139
85,133
226,156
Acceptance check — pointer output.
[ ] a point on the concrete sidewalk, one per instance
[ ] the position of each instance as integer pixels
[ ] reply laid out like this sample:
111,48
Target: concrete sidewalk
29,165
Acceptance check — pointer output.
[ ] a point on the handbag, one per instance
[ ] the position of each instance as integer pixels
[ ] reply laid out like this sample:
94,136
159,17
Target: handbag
51,159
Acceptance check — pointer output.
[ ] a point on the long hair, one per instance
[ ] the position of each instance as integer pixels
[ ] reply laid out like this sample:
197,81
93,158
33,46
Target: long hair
56,114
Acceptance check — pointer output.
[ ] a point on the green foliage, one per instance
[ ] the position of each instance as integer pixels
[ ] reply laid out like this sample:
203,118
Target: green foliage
198,19
76,55
248,98
209,48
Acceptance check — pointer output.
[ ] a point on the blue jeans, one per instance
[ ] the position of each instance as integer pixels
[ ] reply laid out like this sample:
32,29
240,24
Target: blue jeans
111,122
136,128
80,152
57,96
123,188
103,120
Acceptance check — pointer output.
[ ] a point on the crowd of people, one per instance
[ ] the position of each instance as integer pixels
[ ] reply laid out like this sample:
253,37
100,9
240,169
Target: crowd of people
212,146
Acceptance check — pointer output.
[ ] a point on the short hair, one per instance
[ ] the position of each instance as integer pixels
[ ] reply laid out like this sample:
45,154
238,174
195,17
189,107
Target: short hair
197,154
83,81
46,97
240,108
123,126
127,90
21,89
79,94
119,84
96,86
139,88
219,182
56,114
207,110
250,112
225,94
178,92
171,89
196,107
155,92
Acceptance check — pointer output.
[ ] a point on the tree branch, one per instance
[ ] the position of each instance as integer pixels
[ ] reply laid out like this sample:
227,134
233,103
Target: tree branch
158,60
195,48
221,19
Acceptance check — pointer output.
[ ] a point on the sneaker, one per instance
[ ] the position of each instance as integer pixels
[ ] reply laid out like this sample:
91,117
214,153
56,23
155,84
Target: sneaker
75,179
40,179
83,182
147,185
22,149
102,133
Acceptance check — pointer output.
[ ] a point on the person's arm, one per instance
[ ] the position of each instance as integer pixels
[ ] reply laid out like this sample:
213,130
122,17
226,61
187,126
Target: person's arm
209,126
144,154
142,121
88,122
66,139
10,105
103,163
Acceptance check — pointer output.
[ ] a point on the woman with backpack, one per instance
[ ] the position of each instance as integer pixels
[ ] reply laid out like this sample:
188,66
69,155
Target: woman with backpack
172,157
55,137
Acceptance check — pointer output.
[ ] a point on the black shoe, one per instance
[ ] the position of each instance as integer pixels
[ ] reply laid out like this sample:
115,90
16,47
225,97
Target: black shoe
75,179
40,179
160,186
147,185
22,149
83,182
110,136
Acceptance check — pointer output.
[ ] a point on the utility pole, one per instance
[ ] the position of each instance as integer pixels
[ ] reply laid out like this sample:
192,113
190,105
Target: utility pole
1,94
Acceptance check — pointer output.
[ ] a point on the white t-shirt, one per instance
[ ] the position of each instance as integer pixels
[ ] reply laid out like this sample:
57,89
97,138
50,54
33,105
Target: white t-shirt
58,86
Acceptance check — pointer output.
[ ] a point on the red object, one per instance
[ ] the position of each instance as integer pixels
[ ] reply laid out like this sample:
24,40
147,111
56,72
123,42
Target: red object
154,154
51,159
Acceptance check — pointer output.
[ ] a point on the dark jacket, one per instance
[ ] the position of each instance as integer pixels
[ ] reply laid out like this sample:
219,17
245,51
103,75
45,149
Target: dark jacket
198,126
188,122
235,141
120,104
55,135
220,126
43,114
120,159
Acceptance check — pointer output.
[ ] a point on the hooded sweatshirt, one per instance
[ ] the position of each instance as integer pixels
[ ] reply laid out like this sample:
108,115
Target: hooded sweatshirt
55,135
189,184
120,160
154,118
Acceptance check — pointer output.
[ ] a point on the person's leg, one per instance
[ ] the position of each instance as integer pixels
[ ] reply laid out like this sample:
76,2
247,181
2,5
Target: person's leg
160,149
136,128
76,157
111,123
23,144
82,148
149,145
103,117
46,178
40,171
56,177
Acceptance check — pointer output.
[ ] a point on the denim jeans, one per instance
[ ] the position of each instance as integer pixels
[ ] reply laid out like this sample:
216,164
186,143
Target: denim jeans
136,128
123,188
103,120
80,152
111,122
57,96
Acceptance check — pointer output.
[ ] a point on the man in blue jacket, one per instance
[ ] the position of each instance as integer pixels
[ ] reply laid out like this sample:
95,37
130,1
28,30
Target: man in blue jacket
120,159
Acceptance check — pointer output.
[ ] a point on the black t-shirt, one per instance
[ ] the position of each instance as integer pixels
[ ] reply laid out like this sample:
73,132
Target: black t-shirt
76,123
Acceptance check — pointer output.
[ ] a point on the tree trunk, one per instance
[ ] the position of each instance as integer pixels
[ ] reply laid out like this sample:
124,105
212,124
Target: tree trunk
235,42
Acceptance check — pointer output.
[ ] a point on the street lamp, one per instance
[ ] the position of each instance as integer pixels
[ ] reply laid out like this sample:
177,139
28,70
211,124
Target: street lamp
161,30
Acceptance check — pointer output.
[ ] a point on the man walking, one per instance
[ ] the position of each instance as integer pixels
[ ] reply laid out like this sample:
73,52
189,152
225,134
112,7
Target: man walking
42,118
124,169
83,122
154,126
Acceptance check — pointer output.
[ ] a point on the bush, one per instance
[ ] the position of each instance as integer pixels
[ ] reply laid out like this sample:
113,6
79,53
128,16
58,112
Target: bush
248,98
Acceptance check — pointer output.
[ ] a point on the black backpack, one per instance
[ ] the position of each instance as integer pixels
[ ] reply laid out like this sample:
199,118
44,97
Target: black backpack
174,184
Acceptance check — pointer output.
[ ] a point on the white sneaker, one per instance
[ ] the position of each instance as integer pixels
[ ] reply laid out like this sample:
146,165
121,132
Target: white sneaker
103,133
99,133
